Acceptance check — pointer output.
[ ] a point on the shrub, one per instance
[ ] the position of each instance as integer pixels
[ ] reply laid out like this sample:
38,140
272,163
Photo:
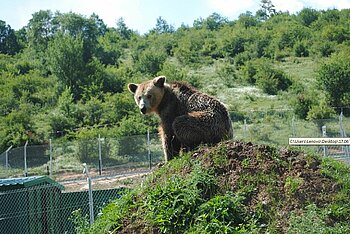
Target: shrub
301,104
333,77
172,72
324,48
249,71
151,61
271,80
320,111
300,50
227,73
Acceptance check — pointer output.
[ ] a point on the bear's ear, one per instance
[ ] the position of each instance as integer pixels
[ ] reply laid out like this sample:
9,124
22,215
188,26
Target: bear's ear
132,87
159,81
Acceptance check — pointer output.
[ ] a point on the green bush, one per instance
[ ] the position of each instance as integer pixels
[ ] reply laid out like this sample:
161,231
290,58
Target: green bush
227,74
249,71
323,48
320,111
262,73
271,80
173,72
333,77
150,61
300,50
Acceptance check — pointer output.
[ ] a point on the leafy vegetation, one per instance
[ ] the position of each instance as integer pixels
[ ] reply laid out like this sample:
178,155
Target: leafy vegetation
65,73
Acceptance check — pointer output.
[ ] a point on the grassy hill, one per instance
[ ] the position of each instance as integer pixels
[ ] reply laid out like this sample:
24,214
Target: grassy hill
235,187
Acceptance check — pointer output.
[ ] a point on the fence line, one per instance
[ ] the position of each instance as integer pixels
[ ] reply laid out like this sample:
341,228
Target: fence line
278,130
102,155
48,209
107,155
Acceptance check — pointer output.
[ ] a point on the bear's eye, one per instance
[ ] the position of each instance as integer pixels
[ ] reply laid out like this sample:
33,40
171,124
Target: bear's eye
139,98
149,96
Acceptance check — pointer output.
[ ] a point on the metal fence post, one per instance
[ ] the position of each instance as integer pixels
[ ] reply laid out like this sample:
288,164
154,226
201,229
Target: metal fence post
7,157
293,126
343,134
25,160
91,200
149,150
245,129
99,155
324,134
50,142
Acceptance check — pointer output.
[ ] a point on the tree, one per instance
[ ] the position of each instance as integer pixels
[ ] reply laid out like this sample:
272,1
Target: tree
109,49
66,103
17,126
151,61
162,26
123,30
267,10
63,117
8,40
247,20
215,21
334,77
40,30
88,29
98,22
66,61
308,16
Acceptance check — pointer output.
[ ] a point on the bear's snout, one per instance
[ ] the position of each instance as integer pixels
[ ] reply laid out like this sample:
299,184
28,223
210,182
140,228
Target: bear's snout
143,110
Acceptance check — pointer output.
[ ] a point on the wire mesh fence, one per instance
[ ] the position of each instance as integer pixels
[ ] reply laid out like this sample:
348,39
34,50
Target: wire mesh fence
107,156
48,209
277,128
63,160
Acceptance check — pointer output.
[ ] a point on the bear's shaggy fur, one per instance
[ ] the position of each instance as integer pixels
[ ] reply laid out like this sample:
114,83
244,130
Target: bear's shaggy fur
188,117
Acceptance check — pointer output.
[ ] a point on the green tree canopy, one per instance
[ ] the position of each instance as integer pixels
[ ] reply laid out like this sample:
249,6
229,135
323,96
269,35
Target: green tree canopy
334,78
66,61
8,40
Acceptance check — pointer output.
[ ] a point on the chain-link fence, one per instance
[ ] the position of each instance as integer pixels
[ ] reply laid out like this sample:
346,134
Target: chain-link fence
108,156
277,127
48,209
62,161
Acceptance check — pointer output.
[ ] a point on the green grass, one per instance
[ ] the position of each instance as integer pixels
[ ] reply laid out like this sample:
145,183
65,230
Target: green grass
202,192
302,70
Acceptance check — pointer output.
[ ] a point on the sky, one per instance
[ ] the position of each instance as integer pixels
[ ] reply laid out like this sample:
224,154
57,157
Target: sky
141,15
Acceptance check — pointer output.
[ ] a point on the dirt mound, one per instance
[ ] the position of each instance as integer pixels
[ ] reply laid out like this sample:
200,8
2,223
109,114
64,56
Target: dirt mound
237,187
288,178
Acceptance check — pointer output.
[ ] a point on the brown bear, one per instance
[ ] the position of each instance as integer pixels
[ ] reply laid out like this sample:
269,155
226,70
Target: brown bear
188,117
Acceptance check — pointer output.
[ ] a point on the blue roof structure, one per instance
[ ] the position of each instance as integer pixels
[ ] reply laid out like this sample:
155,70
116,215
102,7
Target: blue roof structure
26,182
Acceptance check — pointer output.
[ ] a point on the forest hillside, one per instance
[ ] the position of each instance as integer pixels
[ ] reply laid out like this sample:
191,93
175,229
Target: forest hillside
64,75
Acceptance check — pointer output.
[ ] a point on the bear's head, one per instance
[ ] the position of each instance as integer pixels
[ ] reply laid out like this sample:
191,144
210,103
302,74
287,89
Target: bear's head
148,94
